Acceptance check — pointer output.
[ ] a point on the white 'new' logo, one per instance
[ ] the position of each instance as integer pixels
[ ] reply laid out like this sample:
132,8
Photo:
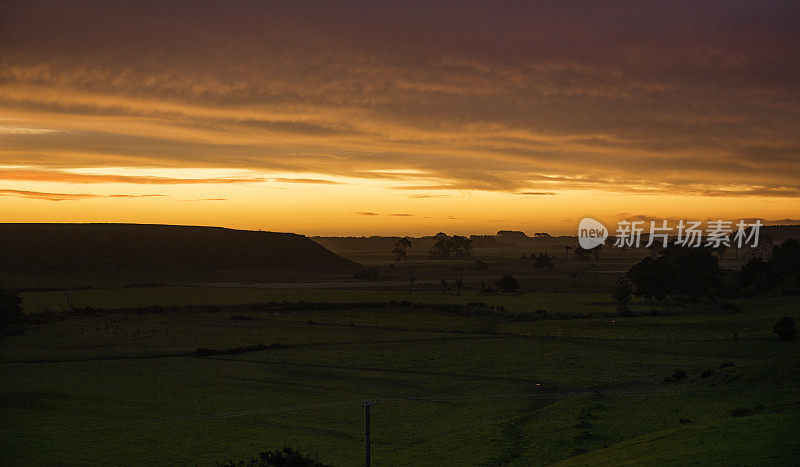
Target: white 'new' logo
591,233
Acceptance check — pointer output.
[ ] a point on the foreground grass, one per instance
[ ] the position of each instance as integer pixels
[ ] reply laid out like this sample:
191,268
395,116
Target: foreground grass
454,390
133,297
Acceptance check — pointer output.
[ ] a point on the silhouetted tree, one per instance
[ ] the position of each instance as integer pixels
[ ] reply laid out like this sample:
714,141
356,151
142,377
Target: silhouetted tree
566,250
441,246
461,246
401,249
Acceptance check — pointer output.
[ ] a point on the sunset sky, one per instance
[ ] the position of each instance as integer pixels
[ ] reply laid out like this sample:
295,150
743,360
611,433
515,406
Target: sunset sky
366,118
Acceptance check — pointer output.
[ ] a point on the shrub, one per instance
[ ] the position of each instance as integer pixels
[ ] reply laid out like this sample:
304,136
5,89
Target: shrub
543,261
676,376
745,411
785,328
287,457
10,309
242,317
366,274
14,330
621,293
507,284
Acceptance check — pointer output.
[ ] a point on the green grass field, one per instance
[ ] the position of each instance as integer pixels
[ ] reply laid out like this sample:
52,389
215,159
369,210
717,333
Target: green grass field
127,388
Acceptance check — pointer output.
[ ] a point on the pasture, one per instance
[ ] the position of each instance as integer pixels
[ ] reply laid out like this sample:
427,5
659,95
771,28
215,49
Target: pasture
581,386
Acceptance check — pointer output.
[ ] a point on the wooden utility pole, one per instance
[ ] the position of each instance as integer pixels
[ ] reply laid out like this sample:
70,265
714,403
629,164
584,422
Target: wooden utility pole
366,404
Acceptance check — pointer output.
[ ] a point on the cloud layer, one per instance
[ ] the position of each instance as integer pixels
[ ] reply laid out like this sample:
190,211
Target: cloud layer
530,99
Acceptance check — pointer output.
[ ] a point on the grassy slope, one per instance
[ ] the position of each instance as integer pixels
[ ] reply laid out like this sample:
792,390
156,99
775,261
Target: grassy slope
444,395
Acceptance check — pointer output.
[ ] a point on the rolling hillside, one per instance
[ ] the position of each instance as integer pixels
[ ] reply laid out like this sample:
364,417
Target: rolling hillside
133,252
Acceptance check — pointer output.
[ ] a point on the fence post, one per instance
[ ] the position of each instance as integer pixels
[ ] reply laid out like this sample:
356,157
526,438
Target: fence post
366,404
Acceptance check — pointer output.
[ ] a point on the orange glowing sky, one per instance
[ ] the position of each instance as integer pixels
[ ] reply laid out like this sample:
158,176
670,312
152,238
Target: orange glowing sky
398,117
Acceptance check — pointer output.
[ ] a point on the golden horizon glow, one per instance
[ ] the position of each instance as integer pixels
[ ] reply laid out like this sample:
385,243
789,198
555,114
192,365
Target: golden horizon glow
275,117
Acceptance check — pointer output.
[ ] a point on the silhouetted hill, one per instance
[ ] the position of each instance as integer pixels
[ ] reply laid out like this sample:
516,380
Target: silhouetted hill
134,252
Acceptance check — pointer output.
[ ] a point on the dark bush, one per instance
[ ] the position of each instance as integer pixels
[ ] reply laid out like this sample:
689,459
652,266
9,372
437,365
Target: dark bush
621,292
14,330
10,309
706,374
507,284
785,328
731,307
745,411
242,317
757,275
366,274
624,311
676,376
206,352
726,365
287,457
543,261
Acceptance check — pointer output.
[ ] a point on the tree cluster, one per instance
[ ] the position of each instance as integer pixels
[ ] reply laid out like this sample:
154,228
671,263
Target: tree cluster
445,246
678,270
758,275
695,271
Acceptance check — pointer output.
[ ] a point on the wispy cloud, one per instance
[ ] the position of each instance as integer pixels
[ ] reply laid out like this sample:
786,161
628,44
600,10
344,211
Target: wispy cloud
64,196
53,175
307,180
